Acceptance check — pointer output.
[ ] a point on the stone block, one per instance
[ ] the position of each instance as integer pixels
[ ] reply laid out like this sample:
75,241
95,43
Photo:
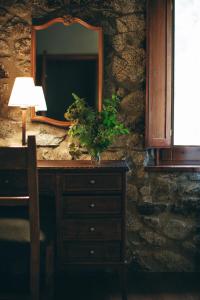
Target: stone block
174,262
151,208
178,229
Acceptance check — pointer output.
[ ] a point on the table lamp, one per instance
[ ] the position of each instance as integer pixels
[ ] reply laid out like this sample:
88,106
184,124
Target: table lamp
23,95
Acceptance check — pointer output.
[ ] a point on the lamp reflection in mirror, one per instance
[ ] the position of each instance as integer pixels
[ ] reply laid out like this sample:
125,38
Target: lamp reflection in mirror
23,96
39,96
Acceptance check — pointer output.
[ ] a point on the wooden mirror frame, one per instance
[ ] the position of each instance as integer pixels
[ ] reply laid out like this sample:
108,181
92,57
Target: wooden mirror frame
66,20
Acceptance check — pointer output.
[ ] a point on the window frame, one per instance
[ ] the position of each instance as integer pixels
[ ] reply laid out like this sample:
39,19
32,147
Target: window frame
160,89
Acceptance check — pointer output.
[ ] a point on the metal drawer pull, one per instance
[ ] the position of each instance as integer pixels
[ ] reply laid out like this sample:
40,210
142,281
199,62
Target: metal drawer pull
92,205
92,252
92,181
92,229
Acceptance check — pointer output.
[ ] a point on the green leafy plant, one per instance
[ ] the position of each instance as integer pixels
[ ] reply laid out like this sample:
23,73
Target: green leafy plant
95,130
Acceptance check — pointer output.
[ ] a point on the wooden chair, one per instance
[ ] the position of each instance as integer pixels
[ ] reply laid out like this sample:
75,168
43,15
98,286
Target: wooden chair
20,234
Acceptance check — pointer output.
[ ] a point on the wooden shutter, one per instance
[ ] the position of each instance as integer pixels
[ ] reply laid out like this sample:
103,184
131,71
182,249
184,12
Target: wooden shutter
159,73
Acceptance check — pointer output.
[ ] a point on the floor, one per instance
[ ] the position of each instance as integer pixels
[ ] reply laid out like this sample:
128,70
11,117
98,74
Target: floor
143,286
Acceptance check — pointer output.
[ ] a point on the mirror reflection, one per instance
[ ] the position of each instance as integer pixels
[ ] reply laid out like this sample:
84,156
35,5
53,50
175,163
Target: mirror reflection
67,60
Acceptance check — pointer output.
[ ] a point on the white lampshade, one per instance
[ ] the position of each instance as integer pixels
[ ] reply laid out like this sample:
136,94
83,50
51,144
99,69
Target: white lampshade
40,99
22,93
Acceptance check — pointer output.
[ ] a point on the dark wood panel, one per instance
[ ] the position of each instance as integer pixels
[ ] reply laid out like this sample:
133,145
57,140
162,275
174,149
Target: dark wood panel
76,165
91,229
91,205
90,211
13,183
174,168
159,73
92,181
178,155
47,183
90,251
17,158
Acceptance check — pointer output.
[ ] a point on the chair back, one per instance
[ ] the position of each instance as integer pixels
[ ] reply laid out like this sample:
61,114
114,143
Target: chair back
19,187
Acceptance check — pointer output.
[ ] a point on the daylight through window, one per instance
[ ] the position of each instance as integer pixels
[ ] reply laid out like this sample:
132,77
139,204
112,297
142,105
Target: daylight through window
187,73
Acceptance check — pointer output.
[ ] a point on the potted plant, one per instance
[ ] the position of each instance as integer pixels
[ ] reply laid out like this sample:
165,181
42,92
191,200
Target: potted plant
95,130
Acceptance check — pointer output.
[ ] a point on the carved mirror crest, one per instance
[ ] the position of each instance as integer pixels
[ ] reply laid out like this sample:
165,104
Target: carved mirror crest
67,57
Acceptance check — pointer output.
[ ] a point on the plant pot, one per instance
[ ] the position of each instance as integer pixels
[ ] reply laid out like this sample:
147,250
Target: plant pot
96,158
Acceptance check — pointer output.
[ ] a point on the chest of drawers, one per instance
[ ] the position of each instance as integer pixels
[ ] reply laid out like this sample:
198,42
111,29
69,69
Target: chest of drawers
90,211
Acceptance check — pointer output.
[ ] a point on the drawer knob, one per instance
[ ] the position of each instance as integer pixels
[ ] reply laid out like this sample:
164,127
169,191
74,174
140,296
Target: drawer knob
6,181
91,252
92,205
92,229
92,181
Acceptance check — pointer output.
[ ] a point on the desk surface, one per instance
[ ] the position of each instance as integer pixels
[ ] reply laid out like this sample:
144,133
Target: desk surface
85,164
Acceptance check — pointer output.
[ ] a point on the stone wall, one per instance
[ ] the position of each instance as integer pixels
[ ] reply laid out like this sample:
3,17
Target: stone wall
163,208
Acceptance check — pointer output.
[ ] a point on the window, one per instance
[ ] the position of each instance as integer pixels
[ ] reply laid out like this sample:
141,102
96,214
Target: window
186,72
172,85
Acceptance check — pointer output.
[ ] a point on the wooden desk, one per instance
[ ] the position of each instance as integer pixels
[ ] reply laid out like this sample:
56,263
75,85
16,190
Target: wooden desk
90,202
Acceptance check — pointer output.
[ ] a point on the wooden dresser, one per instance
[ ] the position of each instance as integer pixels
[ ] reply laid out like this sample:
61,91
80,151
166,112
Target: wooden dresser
90,212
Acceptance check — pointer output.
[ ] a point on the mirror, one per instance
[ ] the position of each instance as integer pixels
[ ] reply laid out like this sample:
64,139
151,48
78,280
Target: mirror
67,57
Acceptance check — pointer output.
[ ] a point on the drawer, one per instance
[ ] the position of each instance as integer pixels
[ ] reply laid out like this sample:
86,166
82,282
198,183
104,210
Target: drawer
92,181
91,229
46,183
90,252
91,205
11,184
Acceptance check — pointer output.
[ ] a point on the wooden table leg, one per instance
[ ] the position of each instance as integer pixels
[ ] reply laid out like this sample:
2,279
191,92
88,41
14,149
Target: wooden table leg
123,280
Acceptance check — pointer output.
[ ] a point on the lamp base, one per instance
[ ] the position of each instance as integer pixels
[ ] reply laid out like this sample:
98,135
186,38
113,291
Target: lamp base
24,126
